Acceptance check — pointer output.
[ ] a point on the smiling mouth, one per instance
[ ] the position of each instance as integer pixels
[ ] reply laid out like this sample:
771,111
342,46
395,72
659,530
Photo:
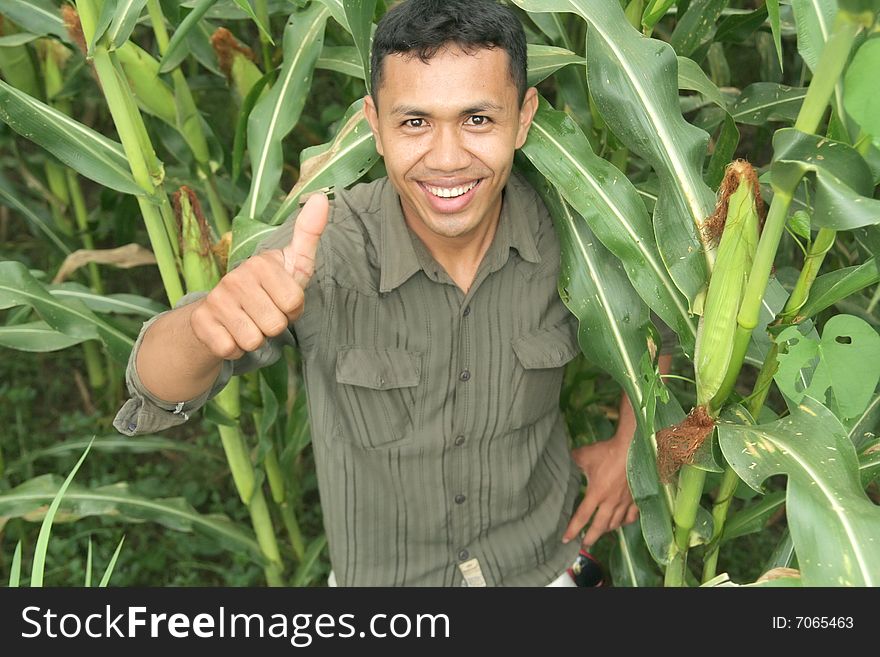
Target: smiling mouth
451,192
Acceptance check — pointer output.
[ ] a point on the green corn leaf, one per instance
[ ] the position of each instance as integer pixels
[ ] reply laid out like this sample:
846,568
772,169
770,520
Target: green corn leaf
692,77
124,19
105,579
754,517
305,571
113,444
36,16
631,564
342,59
773,13
35,336
725,148
178,47
254,94
696,26
611,332
20,39
79,147
544,61
736,28
12,198
278,111
814,20
610,204
768,101
837,285
88,578
634,83
19,288
359,15
771,305
119,304
864,427
245,6
869,462
337,10
231,10
833,524
842,180
117,502
15,569
860,99
42,546
552,26
337,163
848,363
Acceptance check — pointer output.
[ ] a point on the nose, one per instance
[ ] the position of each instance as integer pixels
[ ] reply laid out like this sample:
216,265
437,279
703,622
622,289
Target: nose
447,151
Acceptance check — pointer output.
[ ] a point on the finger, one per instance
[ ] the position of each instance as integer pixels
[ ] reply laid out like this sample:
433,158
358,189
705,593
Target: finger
243,330
285,295
299,255
598,527
617,517
580,518
264,313
632,515
216,338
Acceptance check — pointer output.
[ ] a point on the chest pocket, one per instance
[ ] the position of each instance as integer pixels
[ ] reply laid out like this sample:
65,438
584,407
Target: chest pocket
377,394
541,357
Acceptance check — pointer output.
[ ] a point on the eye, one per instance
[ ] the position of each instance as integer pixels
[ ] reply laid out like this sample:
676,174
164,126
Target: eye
479,120
414,123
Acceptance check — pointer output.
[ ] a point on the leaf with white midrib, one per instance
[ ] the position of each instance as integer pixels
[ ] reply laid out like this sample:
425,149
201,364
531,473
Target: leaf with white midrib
627,558
221,527
122,306
270,138
105,161
610,204
652,126
811,447
586,175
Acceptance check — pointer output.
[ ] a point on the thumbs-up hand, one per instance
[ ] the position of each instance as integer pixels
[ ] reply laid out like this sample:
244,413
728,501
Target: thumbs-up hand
260,298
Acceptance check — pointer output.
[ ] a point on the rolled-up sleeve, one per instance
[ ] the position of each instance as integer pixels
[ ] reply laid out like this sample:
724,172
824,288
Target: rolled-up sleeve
145,413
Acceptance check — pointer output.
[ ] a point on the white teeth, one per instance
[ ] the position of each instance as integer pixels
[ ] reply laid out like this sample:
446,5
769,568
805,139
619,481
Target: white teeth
451,192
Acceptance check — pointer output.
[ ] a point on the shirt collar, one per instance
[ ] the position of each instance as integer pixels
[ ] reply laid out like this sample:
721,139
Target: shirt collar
398,255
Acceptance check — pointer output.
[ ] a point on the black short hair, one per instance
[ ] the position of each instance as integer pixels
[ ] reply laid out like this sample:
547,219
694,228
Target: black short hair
423,27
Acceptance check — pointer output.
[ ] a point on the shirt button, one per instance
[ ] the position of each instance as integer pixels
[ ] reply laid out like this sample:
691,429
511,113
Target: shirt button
467,311
459,499
459,441
465,375
463,555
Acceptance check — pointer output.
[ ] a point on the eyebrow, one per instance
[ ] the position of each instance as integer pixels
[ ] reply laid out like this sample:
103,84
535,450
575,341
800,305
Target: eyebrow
479,108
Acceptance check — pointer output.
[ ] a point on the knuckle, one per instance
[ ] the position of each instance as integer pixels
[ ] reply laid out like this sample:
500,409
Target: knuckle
276,326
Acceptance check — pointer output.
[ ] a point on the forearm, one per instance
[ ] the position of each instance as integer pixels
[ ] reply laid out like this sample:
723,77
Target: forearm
172,364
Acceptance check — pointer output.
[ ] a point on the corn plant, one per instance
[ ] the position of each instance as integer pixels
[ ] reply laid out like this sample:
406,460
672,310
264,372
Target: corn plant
637,151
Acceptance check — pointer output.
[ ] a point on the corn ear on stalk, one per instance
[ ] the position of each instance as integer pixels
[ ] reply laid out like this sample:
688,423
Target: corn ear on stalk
200,270
736,252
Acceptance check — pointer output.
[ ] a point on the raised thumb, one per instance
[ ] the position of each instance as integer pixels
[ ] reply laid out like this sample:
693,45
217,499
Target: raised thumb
299,254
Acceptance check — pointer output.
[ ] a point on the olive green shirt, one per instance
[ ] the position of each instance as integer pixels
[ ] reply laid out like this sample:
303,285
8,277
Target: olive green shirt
437,434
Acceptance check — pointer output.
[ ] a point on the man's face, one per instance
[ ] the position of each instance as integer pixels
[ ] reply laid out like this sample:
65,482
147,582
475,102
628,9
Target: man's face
448,130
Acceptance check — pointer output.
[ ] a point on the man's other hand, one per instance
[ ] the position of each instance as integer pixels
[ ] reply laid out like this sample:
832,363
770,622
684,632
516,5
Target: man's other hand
607,495
264,294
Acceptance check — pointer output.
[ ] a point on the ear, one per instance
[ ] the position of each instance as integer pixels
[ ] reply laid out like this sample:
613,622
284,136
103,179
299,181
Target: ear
526,114
372,115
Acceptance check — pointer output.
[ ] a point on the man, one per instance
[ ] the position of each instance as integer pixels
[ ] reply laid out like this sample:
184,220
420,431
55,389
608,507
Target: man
432,335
